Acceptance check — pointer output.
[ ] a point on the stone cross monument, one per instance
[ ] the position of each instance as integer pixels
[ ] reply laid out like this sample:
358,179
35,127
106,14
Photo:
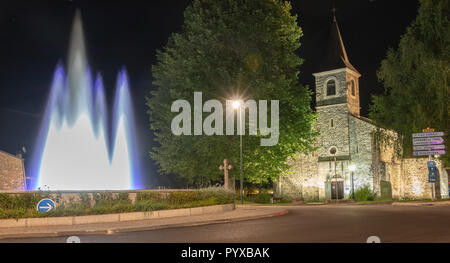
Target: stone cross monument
225,167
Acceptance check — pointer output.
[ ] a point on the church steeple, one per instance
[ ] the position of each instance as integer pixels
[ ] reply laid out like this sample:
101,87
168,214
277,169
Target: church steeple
337,79
336,55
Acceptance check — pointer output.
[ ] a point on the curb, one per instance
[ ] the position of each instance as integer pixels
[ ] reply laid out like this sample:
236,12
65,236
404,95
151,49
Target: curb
135,229
436,203
198,223
113,218
375,203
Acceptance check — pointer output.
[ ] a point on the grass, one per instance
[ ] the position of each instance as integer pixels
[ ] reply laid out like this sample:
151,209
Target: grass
364,194
375,201
24,206
315,203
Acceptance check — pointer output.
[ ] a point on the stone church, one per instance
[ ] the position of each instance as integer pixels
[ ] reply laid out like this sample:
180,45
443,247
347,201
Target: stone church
346,157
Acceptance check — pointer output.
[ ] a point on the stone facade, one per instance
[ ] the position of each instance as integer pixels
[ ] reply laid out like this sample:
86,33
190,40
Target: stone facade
301,181
310,176
315,176
12,172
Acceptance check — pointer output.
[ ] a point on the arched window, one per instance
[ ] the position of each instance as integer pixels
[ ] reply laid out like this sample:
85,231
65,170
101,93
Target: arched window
331,87
352,87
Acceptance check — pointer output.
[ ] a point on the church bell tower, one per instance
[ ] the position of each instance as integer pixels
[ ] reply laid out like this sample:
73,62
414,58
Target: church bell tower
338,81
337,98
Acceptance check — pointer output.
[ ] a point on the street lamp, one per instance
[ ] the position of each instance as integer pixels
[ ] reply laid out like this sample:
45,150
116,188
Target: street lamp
237,105
333,151
352,168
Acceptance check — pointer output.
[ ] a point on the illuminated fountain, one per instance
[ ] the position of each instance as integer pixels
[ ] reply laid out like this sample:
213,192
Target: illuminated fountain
77,150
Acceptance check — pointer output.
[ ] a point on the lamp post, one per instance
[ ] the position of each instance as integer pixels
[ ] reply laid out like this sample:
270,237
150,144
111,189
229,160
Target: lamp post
352,168
333,152
237,105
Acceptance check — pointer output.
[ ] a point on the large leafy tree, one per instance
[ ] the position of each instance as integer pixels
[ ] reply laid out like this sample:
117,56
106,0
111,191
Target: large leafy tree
228,49
416,78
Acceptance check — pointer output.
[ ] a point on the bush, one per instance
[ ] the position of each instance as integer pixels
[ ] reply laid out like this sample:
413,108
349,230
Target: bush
183,197
21,201
263,197
220,195
364,193
153,196
20,206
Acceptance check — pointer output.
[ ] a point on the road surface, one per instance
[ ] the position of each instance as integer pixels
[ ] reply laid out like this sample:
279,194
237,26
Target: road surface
322,223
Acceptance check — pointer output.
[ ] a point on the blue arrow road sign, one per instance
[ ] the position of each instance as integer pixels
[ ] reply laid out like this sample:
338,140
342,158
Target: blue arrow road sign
45,205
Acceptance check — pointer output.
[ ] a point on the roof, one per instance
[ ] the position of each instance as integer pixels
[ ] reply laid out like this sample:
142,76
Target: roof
336,56
362,118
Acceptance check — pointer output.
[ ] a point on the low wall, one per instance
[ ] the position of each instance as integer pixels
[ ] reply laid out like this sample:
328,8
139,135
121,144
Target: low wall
410,180
114,218
61,197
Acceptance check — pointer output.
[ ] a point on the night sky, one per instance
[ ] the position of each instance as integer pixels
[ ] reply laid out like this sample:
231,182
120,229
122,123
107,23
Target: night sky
34,36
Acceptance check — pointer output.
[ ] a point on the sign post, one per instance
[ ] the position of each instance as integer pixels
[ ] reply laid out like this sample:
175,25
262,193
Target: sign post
429,143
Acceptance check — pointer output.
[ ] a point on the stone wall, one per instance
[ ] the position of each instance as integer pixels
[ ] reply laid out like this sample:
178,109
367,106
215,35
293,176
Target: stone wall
333,136
412,181
339,76
408,177
362,153
353,100
301,181
12,174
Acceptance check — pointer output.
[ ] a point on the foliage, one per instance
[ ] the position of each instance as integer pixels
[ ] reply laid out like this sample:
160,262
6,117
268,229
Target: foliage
24,205
227,48
364,193
17,201
261,198
416,77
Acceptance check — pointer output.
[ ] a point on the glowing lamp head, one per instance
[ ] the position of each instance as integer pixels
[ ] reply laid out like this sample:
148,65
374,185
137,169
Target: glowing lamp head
352,167
236,104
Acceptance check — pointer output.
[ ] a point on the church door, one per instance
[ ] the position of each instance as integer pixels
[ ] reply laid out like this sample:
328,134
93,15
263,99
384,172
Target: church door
340,190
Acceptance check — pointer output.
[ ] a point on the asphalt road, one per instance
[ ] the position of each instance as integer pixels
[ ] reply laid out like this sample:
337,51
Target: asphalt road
303,224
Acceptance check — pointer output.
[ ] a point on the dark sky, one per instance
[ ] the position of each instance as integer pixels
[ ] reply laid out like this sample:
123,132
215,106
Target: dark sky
34,35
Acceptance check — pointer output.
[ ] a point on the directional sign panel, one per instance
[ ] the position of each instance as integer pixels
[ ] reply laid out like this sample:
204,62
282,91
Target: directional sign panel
45,205
429,147
428,141
437,152
427,134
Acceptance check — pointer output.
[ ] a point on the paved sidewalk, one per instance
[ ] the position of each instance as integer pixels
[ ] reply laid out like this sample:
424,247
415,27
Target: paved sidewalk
423,203
245,212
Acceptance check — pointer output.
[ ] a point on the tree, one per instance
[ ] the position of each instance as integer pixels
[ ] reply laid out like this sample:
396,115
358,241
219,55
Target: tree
416,78
231,48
